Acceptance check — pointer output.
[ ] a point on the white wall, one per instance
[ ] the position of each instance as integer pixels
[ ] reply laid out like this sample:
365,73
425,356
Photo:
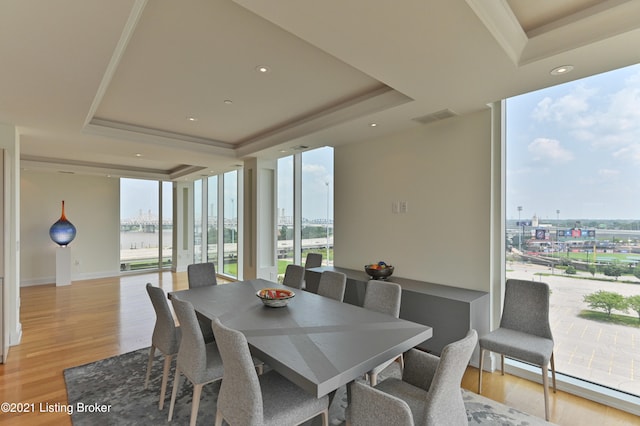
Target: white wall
92,204
443,172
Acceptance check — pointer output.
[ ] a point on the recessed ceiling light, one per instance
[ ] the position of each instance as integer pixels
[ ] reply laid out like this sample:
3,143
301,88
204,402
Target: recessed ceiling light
192,119
228,101
138,154
373,125
563,69
262,68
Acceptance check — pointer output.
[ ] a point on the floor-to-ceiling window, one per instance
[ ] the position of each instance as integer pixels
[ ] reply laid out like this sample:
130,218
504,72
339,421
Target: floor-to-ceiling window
198,240
145,224
230,230
285,214
305,207
573,218
212,219
167,223
317,208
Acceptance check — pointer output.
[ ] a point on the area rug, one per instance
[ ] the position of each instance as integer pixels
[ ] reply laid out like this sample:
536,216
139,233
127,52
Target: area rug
111,392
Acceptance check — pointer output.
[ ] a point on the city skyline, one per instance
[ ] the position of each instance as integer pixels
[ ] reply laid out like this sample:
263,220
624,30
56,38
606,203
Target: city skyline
575,147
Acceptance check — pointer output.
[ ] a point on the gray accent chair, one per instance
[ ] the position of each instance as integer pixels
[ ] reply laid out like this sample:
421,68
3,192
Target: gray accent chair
429,393
332,284
524,332
313,260
294,276
200,362
248,399
165,337
384,297
201,274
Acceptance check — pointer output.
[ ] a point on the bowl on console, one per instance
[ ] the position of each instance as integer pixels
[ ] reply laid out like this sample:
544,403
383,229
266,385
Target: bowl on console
275,297
378,271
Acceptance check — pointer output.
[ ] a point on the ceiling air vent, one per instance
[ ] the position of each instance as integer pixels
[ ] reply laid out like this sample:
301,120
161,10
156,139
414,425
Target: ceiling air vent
299,147
435,116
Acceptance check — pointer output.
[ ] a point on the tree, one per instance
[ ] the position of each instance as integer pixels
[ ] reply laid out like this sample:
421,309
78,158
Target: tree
607,301
613,270
634,303
592,270
636,271
571,270
285,233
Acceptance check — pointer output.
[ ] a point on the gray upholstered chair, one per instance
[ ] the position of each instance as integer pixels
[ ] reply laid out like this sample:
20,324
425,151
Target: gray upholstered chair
200,362
165,337
332,284
201,274
429,393
248,399
294,276
313,260
524,332
383,297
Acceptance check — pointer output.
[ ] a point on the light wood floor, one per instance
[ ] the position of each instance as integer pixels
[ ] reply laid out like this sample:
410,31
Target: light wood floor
95,319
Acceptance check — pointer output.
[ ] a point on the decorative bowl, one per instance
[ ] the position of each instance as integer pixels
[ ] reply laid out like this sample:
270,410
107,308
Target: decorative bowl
379,273
275,297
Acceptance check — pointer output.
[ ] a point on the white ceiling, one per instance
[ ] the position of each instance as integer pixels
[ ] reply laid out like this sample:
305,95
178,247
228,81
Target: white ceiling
91,83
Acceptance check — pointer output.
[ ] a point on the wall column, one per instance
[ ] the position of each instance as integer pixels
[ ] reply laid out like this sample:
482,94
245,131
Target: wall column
10,252
182,226
259,251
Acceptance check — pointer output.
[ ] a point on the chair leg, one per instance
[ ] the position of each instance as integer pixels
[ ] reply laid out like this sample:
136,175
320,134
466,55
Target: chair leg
400,360
553,372
152,352
219,418
481,365
545,384
177,381
373,378
325,417
165,378
502,363
195,404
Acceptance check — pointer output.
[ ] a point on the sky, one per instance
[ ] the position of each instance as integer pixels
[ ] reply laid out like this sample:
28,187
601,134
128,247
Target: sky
317,172
139,196
575,148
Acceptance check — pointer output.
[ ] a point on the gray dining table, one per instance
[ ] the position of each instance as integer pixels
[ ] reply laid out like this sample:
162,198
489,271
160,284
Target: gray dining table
316,342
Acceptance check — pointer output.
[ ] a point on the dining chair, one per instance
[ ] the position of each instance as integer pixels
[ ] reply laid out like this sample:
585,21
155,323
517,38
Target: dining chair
248,399
332,284
428,394
294,276
201,274
313,260
384,297
165,338
198,361
524,332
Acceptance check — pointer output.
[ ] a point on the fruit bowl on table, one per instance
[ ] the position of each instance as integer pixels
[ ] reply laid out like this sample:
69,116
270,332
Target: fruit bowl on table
379,271
275,297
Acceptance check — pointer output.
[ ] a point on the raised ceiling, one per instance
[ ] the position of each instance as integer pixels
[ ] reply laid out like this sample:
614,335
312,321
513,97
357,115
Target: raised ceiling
166,90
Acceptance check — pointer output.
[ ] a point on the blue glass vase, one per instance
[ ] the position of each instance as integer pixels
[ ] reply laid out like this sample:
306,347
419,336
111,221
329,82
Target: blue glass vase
62,232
